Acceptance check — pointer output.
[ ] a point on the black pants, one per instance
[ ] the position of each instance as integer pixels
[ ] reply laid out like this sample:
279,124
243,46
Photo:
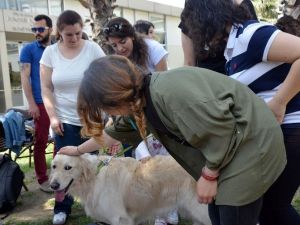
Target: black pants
235,215
277,208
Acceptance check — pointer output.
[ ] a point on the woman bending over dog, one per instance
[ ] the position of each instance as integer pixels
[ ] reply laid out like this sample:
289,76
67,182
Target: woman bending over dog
216,128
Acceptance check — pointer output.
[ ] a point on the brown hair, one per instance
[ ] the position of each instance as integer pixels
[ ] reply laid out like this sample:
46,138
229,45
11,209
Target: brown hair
143,26
67,17
207,24
121,28
110,82
289,25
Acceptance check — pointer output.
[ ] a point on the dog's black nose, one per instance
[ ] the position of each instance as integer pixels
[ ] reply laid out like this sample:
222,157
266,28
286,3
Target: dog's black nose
54,185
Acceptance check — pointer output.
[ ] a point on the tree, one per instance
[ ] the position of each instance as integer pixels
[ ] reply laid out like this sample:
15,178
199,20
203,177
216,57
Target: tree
290,7
101,11
266,9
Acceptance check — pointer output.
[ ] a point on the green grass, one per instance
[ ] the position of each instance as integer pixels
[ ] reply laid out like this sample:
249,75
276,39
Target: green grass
73,220
24,162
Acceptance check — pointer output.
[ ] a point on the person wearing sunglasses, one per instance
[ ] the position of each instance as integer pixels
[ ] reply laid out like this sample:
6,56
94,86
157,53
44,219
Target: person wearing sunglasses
62,68
39,29
149,55
30,78
146,53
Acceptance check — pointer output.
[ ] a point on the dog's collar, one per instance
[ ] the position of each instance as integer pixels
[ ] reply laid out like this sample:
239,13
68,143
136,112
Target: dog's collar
106,161
103,163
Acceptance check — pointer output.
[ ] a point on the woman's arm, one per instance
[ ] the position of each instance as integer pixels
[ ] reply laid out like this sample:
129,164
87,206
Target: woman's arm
26,84
188,50
48,99
162,65
86,147
285,48
90,145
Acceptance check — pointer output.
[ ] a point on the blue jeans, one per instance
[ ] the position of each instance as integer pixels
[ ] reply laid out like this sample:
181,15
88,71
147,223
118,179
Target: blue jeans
235,215
129,152
71,137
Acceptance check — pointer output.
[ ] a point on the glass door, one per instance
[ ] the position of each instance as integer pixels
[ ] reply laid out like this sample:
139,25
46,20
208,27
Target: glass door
14,73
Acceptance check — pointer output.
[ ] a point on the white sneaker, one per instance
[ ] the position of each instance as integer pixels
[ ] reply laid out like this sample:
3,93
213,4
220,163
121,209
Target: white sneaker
59,218
172,217
160,221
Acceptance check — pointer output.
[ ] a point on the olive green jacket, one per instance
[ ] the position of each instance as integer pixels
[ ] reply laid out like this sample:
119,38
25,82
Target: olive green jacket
228,127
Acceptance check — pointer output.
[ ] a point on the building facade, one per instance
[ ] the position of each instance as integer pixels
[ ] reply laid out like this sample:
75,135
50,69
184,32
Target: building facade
16,19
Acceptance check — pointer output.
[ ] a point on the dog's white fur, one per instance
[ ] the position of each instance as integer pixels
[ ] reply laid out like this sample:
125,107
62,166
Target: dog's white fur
127,192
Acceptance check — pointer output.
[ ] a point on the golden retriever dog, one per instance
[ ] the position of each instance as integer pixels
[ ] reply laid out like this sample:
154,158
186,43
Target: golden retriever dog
126,191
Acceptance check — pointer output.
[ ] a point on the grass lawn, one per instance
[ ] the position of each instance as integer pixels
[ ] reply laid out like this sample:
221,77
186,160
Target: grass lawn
77,217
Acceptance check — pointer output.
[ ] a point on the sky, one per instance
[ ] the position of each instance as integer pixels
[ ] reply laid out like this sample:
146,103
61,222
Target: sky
177,3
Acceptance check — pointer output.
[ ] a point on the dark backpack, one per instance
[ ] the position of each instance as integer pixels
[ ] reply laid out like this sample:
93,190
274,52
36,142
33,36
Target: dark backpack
11,182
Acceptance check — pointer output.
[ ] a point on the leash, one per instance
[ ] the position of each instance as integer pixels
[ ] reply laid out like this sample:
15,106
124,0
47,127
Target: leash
105,162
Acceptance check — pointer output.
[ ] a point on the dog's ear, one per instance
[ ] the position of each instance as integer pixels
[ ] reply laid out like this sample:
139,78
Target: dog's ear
89,165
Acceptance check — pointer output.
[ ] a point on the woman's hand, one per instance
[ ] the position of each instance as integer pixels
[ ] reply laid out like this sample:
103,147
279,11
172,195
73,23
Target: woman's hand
69,150
56,126
278,108
114,149
206,190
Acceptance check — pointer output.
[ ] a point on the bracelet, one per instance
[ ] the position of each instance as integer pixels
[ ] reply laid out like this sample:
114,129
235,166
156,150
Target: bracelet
208,177
78,151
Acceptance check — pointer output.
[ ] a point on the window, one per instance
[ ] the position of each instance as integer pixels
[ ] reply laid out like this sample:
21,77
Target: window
118,12
129,15
55,7
2,95
2,6
141,15
14,73
159,23
13,4
33,6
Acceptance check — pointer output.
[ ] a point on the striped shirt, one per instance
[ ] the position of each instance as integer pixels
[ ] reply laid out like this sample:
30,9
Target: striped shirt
246,54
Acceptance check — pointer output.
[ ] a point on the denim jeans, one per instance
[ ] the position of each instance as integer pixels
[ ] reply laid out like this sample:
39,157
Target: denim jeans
235,215
71,137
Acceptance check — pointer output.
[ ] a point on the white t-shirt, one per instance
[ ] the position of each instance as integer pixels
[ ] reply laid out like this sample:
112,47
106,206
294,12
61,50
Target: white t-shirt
156,53
66,77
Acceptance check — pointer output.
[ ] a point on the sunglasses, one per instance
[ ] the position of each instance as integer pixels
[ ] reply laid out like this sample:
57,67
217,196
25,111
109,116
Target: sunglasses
39,29
113,28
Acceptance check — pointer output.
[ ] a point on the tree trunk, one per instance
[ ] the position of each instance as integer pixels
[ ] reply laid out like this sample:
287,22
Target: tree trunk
101,11
291,8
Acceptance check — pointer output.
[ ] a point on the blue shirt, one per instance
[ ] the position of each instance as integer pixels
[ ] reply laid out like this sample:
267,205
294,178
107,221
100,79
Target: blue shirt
247,61
32,53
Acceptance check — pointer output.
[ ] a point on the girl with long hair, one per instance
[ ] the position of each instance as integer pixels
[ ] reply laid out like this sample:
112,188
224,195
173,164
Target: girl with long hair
216,128
268,61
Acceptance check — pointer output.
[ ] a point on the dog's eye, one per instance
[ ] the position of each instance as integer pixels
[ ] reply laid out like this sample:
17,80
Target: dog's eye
53,167
68,167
